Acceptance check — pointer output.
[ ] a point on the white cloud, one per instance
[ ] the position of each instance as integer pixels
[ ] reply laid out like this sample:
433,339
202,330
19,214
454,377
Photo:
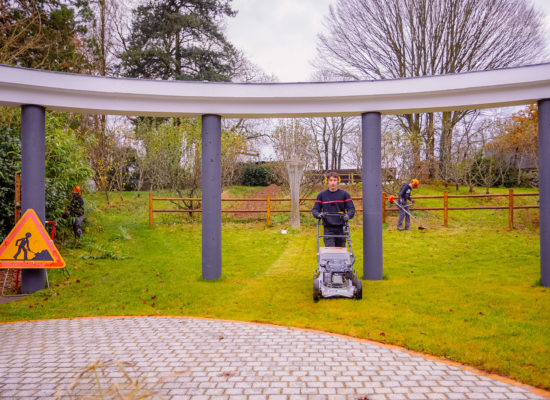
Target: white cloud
279,35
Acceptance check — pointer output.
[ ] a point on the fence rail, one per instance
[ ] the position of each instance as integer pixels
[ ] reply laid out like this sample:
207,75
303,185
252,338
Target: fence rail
385,209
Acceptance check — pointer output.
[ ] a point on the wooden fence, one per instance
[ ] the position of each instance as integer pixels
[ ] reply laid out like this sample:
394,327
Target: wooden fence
385,208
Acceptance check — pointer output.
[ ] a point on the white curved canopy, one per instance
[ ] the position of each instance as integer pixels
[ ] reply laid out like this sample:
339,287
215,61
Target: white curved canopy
102,95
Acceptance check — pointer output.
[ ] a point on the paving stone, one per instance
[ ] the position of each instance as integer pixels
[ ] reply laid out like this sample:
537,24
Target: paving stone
416,396
186,358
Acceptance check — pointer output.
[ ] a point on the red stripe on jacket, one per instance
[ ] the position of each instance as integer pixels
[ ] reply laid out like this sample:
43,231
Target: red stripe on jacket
332,201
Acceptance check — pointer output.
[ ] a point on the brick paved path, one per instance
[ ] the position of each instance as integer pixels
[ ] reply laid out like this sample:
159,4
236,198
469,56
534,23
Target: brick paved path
184,358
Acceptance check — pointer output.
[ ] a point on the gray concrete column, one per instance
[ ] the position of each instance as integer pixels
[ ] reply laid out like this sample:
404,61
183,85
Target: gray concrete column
33,180
544,190
372,195
211,197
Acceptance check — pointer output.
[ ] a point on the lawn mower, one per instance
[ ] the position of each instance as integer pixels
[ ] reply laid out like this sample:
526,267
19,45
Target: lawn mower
335,276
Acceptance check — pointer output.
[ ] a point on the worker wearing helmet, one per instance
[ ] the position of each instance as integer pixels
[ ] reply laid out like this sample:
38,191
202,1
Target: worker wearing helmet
404,198
329,203
76,211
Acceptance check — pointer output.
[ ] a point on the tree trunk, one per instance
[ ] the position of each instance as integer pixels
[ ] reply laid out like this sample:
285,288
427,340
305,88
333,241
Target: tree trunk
416,143
519,164
178,56
341,142
103,50
333,150
325,143
430,145
445,144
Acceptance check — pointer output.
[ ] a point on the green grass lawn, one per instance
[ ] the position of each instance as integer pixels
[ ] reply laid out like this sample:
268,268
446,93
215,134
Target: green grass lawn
468,292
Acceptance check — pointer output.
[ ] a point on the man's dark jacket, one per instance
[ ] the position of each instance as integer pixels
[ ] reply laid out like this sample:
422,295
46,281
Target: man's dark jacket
338,201
405,193
76,208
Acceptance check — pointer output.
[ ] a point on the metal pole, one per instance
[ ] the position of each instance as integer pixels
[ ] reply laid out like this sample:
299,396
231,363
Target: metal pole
372,195
544,190
211,197
33,180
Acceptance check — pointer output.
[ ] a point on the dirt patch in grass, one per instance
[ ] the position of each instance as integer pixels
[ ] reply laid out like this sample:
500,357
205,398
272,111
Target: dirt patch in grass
272,190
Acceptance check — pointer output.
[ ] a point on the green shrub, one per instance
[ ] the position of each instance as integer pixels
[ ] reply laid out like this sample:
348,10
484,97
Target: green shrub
10,161
256,175
66,166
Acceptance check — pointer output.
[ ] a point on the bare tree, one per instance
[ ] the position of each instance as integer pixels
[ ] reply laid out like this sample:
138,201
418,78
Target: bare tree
470,163
333,135
108,26
234,148
293,144
253,131
123,151
292,140
100,148
397,158
19,36
387,39
103,40
355,151
516,140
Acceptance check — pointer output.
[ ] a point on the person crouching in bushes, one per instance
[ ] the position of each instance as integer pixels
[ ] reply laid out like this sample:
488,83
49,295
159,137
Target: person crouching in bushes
76,211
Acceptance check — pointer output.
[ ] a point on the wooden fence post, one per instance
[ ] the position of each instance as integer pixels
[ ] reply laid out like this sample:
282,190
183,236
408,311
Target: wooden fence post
445,208
268,210
151,208
511,209
383,207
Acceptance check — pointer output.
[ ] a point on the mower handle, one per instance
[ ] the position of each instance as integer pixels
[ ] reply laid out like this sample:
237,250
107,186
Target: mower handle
347,234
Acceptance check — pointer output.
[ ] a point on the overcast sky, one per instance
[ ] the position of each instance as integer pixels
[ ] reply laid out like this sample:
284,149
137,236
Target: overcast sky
280,35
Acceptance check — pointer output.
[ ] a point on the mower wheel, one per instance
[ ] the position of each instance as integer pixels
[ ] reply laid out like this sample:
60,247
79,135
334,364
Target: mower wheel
316,291
358,289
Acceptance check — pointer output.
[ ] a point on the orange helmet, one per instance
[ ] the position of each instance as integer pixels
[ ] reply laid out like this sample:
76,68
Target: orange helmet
77,189
415,182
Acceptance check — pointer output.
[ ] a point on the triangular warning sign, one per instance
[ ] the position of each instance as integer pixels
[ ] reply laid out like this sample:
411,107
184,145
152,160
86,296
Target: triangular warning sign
29,246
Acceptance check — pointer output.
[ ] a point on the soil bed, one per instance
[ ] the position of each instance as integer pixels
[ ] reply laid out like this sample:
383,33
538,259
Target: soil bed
272,190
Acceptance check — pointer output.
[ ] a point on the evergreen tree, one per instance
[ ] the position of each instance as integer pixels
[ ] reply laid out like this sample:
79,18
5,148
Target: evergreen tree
179,39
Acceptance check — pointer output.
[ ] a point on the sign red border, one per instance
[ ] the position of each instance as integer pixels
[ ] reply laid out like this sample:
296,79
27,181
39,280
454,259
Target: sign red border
57,262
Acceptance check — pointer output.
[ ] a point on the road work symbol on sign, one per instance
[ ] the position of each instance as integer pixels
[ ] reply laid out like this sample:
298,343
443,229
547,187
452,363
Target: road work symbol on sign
29,246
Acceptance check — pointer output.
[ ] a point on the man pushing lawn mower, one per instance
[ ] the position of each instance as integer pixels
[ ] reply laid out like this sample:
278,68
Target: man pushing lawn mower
329,203
334,276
